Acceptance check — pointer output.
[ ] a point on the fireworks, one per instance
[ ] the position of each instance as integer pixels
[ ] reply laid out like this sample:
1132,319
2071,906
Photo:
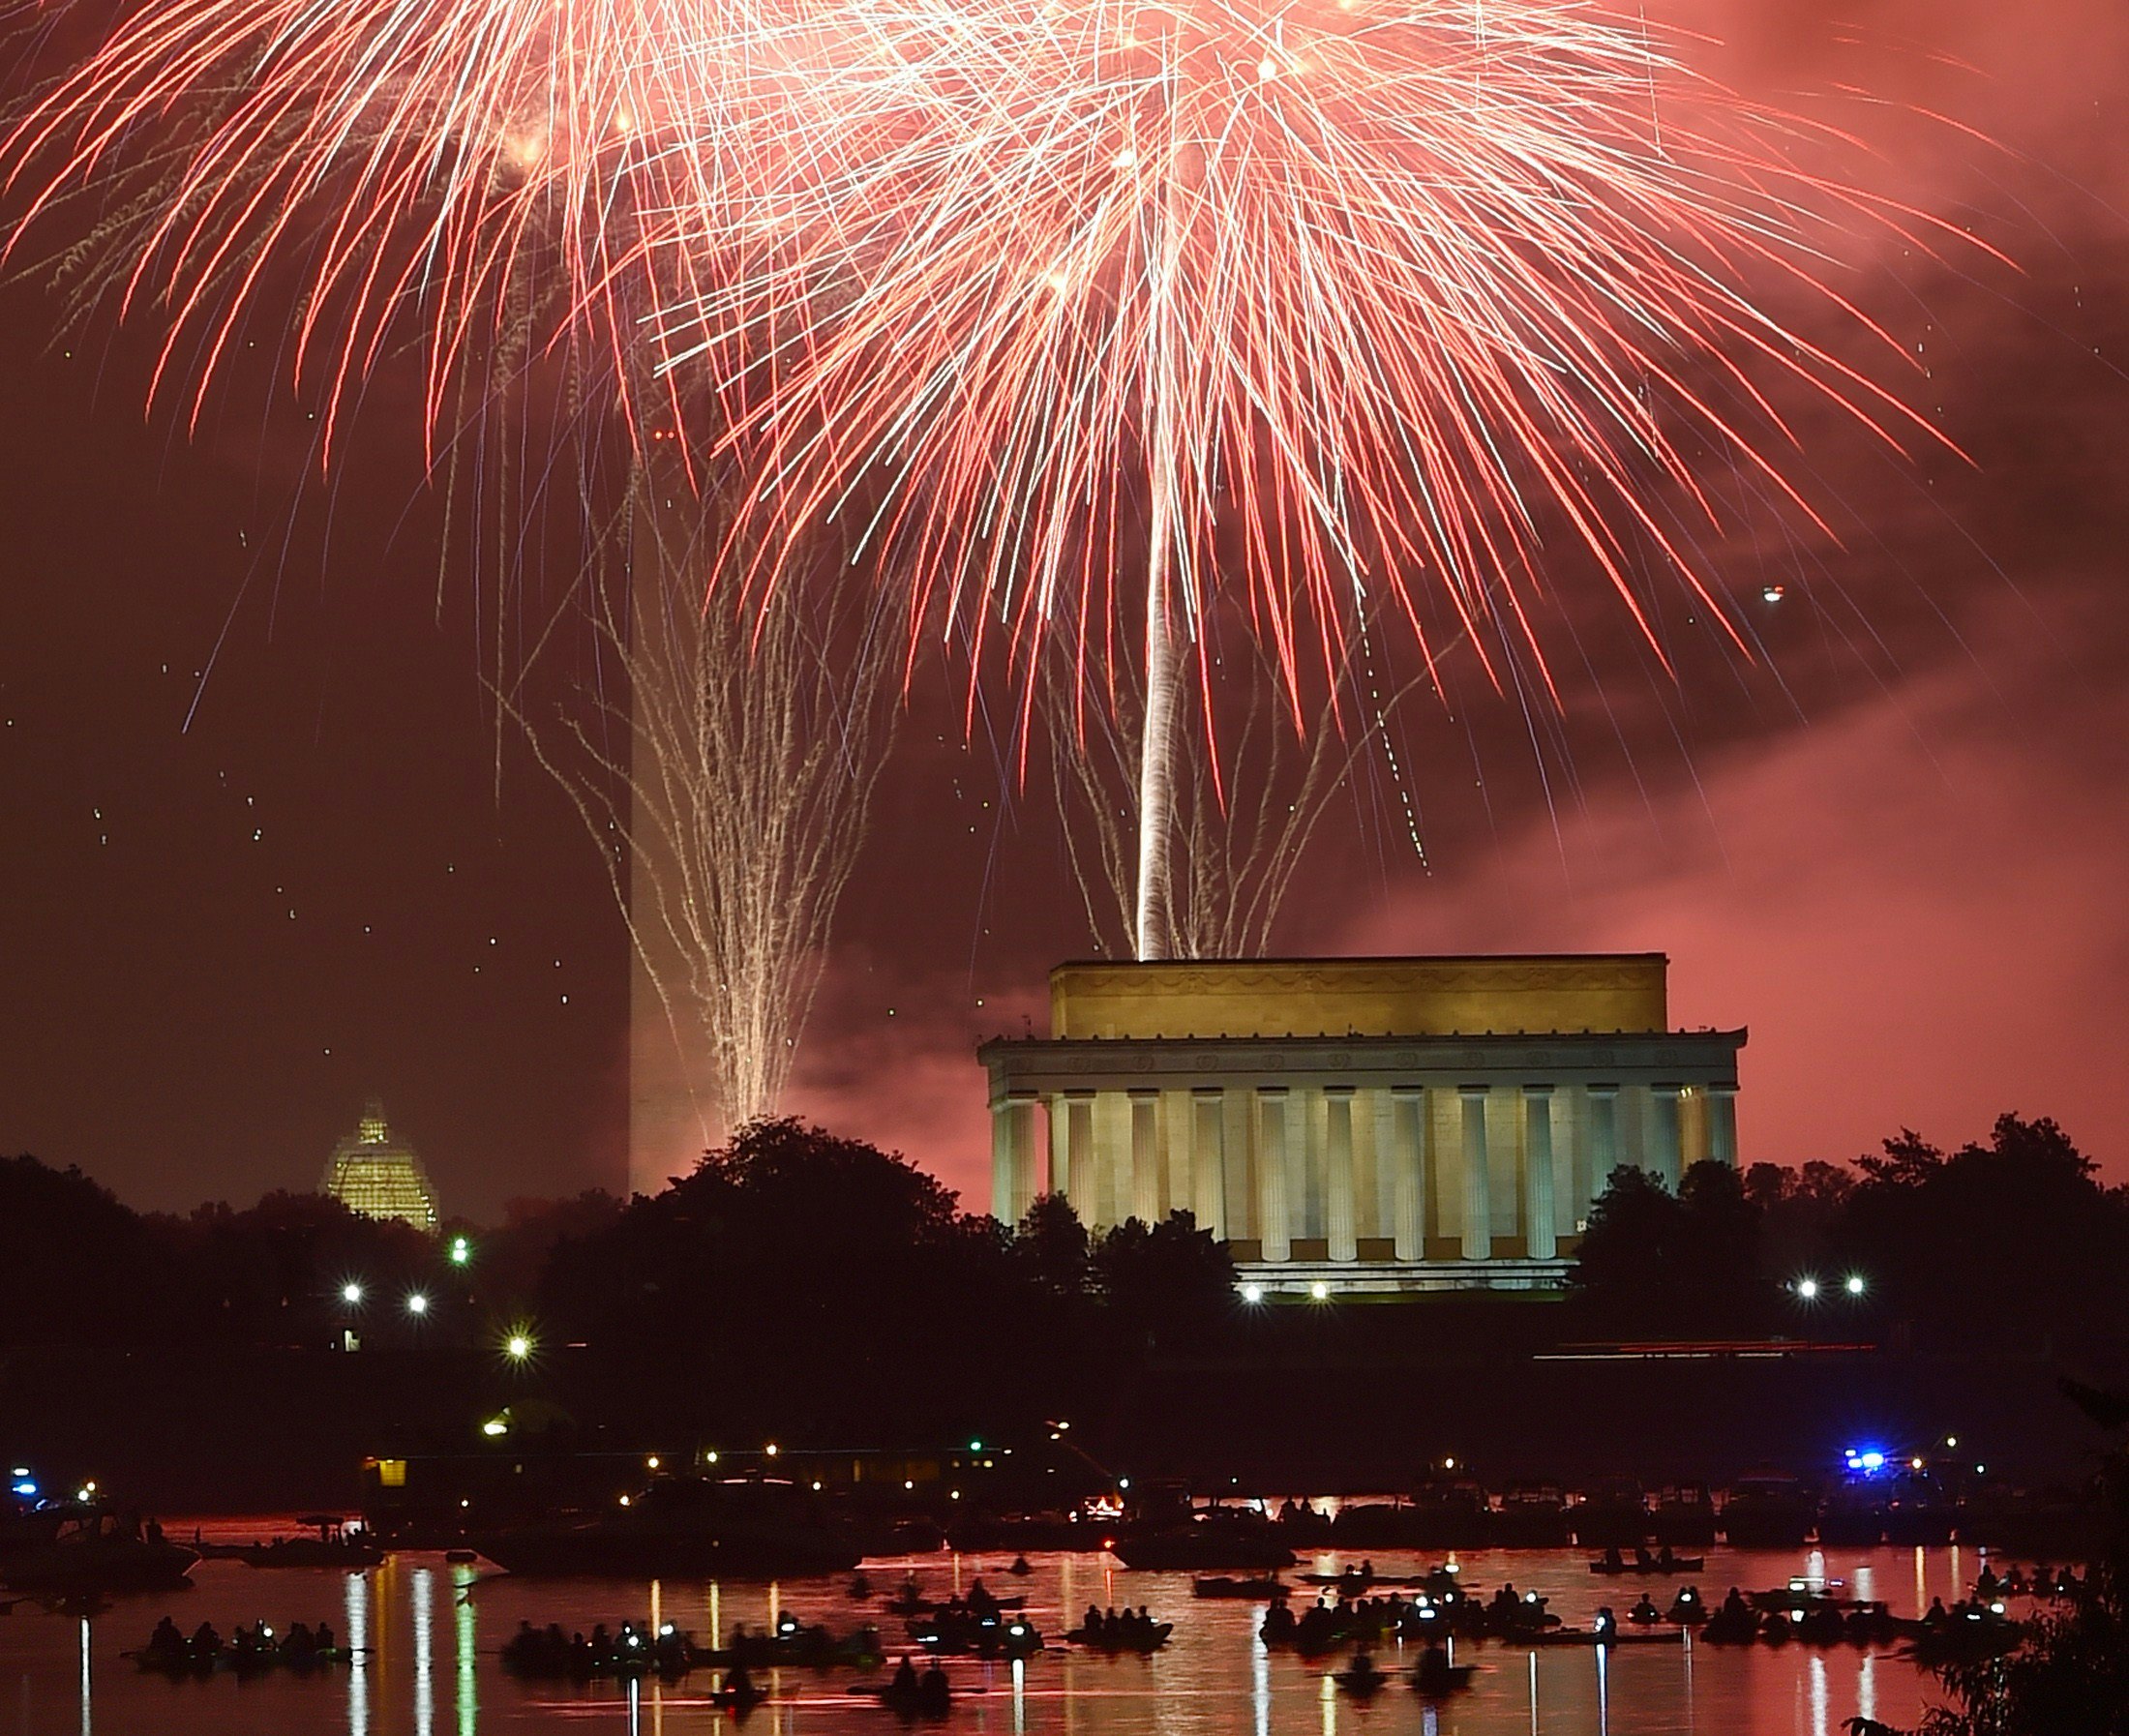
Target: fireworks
1095,312
1080,315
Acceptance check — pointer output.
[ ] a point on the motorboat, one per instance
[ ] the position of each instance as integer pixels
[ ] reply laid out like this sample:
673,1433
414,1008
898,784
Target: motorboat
688,1527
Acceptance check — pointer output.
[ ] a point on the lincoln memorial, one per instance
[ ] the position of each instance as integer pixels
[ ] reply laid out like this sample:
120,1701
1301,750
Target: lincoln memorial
1356,1125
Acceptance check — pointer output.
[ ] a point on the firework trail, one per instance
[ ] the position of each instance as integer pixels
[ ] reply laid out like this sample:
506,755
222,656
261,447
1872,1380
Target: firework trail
1092,312
1085,314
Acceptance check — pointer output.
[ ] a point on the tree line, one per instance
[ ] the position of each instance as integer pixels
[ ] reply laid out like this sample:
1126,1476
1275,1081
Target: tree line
2011,1244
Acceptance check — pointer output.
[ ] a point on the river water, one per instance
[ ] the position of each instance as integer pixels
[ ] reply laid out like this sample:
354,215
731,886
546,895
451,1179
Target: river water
431,1631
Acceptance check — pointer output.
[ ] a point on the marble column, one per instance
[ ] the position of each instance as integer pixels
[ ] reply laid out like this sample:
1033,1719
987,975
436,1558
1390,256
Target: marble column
1478,1189
1408,1191
1012,1156
1337,1160
1722,1123
1177,1187
1207,1167
1112,1125
1237,1175
1539,1232
1273,1227
1663,1134
1144,1190
1073,1161
1603,1138
1303,1164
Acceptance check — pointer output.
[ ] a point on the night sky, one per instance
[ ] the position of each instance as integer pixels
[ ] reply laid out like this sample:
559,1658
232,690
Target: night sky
265,852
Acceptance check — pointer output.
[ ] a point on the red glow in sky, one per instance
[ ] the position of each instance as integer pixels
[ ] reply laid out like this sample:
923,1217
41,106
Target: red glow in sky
1894,847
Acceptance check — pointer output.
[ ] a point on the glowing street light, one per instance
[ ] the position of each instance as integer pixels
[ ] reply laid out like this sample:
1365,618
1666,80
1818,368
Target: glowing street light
417,1303
1855,1285
1253,1292
461,1251
350,1293
1808,1289
518,1346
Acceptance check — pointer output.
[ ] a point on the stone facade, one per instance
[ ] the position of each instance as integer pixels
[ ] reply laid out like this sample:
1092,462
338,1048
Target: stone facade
1372,1125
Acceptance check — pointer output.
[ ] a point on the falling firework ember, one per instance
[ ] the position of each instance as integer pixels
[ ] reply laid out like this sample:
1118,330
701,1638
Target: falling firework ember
1085,313
1120,307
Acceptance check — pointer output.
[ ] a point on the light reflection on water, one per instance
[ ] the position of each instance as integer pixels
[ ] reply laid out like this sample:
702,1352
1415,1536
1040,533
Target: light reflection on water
1212,1679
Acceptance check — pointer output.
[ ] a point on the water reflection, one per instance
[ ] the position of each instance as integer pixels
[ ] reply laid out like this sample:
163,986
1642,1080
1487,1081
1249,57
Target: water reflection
422,1597
467,1638
1216,1679
355,1618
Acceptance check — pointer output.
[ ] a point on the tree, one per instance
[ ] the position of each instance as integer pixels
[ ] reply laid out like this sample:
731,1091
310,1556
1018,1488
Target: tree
1052,1246
1651,1260
1169,1281
2071,1677
2007,1244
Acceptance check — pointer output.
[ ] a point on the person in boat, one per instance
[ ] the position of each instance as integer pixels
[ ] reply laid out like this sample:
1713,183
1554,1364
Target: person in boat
1985,1583
1091,1623
980,1600
902,1685
1615,1562
1020,1569
166,1644
1279,1623
1642,1557
1666,1560
1935,1616
1361,1672
327,1641
739,1686
1434,1673
1734,1605
206,1643
1505,1598
299,1645
1644,1612
933,1690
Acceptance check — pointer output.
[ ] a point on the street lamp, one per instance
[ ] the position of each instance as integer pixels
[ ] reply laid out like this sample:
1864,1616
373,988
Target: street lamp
350,1293
518,1346
1855,1285
461,1251
417,1303
1808,1289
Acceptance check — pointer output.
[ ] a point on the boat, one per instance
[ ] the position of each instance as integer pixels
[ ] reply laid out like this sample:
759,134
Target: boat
1362,1678
1206,1544
95,1554
1613,1515
1256,1590
1643,1564
1684,1516
334,1546
912,1696
1768,1511
1143,1638
686,1527
1530,1517
1435,1677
